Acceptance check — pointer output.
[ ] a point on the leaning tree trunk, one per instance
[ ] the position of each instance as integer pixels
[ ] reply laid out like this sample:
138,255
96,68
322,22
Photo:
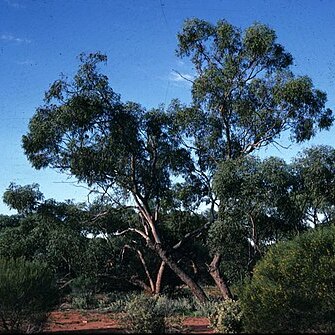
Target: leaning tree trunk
149,223
214,271
196,290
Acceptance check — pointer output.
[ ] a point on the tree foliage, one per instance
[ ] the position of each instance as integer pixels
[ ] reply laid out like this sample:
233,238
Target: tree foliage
86,130
315,170
24,199
245,97
47,231
265,201
244,94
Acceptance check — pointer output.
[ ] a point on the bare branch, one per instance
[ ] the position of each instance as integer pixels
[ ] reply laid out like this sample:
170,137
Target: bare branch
182,76
137,231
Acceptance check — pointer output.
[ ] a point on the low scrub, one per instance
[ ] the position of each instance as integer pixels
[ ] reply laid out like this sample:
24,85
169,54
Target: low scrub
143,314
27,294
292,289
83,293
226,317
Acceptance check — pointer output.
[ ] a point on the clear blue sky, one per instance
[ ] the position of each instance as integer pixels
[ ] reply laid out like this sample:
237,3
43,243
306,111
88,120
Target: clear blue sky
39,39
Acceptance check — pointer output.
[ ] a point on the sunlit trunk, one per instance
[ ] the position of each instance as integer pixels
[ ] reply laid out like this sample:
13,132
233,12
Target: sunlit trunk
185,278
214,271
158,286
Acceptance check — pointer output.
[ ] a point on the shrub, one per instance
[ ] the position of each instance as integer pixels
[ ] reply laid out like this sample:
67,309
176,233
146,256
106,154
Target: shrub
293,286
177,306
116,302
144,315
84,301
224,316
27,295
83,293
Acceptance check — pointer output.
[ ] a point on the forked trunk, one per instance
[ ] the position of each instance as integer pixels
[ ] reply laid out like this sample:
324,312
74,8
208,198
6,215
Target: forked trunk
193,286
214,271
149,224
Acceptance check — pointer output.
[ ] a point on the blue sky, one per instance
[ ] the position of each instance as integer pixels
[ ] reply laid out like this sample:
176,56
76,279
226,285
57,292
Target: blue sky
39,39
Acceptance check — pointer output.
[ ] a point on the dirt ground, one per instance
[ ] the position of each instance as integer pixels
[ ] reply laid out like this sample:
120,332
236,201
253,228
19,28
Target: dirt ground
89,322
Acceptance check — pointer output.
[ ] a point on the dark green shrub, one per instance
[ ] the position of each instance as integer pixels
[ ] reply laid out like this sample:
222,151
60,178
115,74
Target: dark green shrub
83,293
293,287
84,301
116,302
144,315
27,295
226,317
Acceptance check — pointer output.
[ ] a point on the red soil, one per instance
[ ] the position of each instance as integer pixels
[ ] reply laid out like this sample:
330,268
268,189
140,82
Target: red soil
89,322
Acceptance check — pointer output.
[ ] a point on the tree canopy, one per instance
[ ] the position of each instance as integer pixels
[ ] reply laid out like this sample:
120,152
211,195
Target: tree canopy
244,93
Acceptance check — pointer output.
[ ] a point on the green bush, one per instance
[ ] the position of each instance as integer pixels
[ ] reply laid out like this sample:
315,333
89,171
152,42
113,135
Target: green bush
293,286
27,295
177,306
84,301
116,302
225,316
83,293
144,315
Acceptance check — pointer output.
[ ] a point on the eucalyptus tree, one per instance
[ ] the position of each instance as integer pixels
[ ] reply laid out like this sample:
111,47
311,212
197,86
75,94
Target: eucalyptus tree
314,169
257,208
44,230
244,97
129,153
57,233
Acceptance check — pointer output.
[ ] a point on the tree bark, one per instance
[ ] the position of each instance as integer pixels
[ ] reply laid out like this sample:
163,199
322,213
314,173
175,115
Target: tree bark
193,286
214,271
156,245
151,282
159,278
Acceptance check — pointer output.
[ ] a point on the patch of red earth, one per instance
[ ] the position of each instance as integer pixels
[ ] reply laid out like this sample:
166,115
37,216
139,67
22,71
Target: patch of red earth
197,326
92,322
74,321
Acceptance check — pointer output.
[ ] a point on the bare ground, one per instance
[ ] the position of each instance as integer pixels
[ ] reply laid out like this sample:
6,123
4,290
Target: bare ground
91,322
